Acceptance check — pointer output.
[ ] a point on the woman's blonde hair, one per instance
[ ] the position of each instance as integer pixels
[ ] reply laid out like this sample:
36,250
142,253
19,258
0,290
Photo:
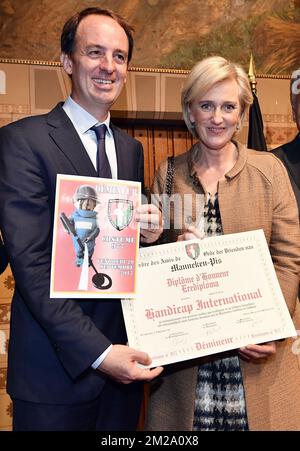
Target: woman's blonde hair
204,75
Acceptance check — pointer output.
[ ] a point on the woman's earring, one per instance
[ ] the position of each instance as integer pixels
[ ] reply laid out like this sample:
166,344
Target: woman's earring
238,126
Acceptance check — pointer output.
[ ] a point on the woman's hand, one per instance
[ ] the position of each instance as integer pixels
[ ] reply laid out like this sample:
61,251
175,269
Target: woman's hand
151,222
250,352
256,352
191,233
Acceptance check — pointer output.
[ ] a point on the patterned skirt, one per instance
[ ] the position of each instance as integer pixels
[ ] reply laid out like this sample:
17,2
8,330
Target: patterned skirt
220,400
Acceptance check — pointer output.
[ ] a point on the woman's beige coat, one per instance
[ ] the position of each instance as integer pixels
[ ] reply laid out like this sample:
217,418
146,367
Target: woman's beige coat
256,194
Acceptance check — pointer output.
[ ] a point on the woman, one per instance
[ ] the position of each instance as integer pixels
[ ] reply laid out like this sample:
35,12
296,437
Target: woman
255,386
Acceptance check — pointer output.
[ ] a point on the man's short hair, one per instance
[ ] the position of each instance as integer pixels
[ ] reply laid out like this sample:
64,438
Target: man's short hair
68,36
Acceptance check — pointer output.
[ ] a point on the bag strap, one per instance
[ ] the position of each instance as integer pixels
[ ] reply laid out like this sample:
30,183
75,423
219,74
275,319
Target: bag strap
169,176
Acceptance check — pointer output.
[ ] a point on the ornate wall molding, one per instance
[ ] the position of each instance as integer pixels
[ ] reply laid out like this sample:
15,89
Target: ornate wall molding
131,69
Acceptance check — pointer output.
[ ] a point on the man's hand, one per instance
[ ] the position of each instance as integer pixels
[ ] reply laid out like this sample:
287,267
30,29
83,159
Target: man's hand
121,365
256,352
150,219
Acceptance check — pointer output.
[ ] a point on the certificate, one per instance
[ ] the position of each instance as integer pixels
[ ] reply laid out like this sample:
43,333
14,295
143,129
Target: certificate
203,297
95,238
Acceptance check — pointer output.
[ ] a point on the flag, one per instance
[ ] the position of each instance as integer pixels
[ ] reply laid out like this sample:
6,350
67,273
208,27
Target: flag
256,139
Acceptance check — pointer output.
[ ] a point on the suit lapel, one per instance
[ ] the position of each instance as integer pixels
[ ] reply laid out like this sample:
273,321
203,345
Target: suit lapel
66,138
122,154
293,160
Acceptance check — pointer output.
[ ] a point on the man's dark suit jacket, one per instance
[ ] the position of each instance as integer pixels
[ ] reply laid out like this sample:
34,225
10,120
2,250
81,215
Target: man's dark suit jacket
289,154
3,257
53,342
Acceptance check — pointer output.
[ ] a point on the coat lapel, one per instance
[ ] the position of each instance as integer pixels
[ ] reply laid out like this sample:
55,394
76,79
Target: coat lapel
66,138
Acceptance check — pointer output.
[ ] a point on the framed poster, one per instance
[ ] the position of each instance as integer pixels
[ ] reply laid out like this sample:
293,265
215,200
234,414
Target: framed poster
95,238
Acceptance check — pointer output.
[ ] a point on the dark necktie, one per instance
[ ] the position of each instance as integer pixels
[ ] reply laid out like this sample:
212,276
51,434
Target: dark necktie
103,167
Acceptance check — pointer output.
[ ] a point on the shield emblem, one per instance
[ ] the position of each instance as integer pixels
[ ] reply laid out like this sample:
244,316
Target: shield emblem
120,212
192,250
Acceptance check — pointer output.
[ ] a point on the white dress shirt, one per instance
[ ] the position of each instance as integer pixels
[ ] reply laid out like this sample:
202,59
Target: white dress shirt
83,121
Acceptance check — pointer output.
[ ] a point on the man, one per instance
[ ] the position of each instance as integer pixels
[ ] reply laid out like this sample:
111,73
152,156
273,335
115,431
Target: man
69,367
289,153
